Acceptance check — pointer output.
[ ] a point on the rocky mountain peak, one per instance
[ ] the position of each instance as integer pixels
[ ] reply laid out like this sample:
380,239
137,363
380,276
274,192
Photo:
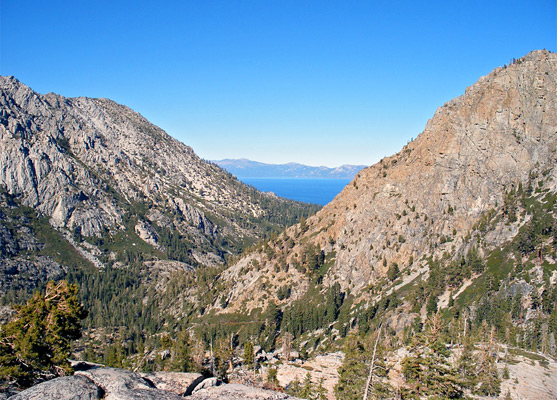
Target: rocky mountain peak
426,200
99,170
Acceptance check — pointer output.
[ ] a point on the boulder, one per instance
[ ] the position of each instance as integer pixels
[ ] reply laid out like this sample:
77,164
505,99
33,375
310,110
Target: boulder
207,383
120,384
236,391
182,383
113,379
76,387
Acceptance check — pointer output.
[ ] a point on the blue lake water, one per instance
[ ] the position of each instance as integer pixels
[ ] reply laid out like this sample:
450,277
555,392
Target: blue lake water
309,190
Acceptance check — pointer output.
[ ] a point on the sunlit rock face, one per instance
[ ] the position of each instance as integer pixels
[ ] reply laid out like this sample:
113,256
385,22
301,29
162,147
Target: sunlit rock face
425,200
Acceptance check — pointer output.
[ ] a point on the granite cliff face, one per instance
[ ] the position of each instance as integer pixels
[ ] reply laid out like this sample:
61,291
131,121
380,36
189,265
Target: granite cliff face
101,173
426,200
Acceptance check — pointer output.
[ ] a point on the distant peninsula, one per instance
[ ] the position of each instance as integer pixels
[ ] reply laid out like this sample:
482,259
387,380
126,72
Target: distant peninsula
244,168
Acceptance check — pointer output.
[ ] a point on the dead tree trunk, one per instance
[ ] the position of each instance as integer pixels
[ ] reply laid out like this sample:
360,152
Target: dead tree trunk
372,365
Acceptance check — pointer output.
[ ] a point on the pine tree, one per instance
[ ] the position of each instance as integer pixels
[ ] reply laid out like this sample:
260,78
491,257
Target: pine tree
272,378
353,371
303,225
334,300
486,370
431,305
272,324
294,388
375,387
451,300
286,345
182,360
392,272
466,364
113,356
248,354
307,388
37,342
428,370
413,366
224,353
320,391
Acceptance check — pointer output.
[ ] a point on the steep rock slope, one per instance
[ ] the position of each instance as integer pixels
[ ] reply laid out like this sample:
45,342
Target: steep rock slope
425,201
116,187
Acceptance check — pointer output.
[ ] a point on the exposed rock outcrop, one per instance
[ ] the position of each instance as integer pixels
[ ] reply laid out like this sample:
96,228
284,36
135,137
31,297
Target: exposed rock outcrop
117,384
21,274
207,384
146,233
238,392
65,388
182,383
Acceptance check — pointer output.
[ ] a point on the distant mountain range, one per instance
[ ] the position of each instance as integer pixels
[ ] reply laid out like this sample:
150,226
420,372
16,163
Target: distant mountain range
244,168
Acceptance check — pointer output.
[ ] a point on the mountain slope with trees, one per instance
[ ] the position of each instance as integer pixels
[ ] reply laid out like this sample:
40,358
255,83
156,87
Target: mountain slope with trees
459,227
118,189
430,198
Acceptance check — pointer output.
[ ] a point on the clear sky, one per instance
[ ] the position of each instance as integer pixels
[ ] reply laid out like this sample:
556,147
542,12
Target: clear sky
315,82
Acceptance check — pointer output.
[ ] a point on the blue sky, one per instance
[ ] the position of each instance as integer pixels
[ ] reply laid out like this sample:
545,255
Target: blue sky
315,82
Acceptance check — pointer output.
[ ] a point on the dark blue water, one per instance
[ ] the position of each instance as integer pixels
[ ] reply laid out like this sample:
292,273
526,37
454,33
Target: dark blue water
309,190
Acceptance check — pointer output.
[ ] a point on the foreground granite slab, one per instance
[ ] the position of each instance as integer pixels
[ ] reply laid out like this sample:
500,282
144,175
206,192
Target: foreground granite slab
236,391
75,387
93,382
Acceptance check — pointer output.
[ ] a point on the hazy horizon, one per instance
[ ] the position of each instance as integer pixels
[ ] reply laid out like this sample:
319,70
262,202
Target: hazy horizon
284,163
